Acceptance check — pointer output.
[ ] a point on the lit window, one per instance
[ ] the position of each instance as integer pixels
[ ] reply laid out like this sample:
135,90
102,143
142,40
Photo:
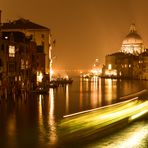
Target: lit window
22,64
39,76
11,51
15,78
27,64
109,66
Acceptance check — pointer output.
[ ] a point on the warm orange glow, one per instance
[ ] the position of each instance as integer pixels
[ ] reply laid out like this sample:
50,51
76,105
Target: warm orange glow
51,72
11,51
39,76
109,66
111,72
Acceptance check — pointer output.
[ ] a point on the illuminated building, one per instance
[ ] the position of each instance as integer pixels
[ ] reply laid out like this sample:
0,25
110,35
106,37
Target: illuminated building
133,42
127,63
96,69
37,33
121,65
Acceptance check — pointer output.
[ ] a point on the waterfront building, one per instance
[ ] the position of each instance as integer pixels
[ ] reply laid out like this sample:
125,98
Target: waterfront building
143,62
121,65
18,61
38,34
131,61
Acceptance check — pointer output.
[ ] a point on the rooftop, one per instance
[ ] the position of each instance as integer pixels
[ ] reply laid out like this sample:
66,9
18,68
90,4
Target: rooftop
22,24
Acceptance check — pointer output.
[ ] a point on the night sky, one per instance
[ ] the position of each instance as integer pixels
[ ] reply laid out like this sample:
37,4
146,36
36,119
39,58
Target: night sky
84,29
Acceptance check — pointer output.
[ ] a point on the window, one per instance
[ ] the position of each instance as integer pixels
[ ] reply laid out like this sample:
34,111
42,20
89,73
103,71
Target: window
1,63
22,64
40,49
42,36
11,51
11,67
27,64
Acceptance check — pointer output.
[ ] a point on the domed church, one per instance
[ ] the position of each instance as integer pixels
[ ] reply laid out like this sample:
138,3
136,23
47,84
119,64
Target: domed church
131,61
133,42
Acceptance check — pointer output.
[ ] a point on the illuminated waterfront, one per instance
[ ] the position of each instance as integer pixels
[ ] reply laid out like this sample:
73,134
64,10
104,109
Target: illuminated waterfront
34,122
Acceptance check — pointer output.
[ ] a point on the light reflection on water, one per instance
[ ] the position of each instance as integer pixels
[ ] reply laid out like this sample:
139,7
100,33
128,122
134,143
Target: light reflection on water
94,93
51,121
48,131
67,99
34,121
134,136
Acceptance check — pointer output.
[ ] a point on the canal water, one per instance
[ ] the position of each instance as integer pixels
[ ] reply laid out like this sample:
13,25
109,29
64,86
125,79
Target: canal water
33,122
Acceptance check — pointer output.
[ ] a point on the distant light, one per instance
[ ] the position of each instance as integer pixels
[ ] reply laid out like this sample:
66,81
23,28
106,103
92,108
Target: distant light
6,37
66,76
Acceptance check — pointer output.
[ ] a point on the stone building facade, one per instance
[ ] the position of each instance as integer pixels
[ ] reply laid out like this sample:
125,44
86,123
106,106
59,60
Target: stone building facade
37,33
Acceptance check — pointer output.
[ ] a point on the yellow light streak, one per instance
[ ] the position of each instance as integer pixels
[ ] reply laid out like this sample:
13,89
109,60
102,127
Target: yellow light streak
99,108
138,115
91,121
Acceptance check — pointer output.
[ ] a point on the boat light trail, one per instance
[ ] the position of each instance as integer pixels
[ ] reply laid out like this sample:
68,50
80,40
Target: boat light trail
90,122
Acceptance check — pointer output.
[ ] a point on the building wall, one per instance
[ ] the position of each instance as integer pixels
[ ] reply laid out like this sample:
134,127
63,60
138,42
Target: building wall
40,36
3,59
20,70
121,66
144,74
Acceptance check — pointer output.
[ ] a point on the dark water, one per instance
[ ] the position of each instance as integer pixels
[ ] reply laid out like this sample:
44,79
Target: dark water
33,122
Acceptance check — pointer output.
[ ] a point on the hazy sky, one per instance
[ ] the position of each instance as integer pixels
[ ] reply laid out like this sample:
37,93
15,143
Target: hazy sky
84,29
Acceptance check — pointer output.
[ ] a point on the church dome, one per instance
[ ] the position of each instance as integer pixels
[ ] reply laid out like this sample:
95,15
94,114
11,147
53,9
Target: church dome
133,42
132,38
